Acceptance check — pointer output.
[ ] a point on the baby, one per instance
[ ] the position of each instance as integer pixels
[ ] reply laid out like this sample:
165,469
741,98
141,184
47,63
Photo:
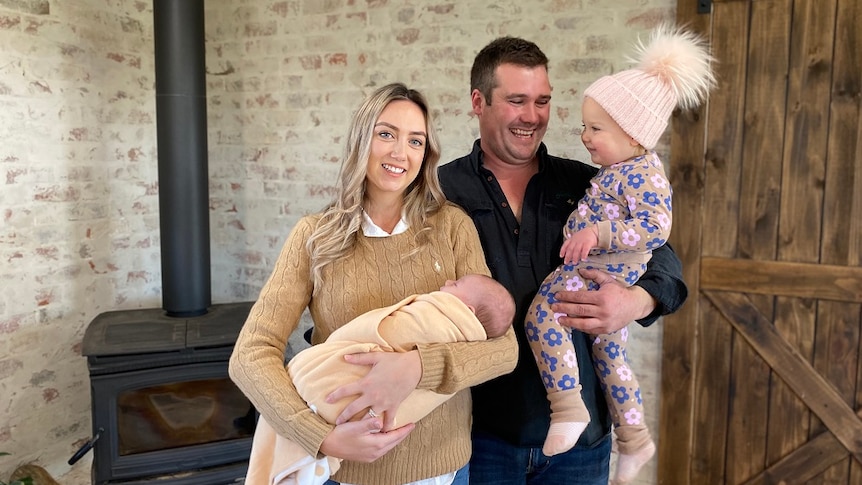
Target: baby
623,217
472,308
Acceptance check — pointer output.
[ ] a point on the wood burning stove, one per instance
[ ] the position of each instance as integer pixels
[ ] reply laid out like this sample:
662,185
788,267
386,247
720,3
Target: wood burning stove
164,408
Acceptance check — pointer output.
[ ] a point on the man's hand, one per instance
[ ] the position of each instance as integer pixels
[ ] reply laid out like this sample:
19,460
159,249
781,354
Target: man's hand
606,310
392,377
362,440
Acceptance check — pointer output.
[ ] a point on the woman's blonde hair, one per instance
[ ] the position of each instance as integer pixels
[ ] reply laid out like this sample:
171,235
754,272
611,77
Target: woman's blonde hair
341,220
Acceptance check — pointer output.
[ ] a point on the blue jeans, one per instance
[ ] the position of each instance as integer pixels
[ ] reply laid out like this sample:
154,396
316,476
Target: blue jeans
496,462
462,477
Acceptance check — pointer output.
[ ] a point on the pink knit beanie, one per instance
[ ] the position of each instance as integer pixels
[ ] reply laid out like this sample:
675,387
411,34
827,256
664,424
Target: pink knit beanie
673,70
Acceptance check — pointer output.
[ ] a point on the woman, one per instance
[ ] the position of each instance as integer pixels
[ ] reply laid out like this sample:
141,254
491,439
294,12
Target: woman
388,234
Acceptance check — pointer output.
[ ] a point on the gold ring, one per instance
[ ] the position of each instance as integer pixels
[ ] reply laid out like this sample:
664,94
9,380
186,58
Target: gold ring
372,413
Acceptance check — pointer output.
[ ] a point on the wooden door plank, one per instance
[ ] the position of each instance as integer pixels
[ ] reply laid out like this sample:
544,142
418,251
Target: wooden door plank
677,384
803,280
842,231
789,417
805,142
717,190
765,96
759,197
806,462
749,408
836,359
713,377
819,395
800,217
843,183
809,84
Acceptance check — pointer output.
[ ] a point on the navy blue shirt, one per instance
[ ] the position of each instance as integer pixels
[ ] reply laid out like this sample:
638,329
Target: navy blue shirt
514,407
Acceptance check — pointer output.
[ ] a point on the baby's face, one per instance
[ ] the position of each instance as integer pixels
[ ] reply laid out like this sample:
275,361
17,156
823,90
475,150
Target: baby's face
463,288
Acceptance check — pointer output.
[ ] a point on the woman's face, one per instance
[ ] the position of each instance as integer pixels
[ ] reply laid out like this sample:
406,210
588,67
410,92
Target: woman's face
397,149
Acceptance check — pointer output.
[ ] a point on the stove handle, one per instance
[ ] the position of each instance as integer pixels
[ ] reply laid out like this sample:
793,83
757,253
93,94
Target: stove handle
87,447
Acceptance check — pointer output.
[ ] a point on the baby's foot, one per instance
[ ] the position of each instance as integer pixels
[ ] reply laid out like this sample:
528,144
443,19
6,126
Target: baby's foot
562,437
629,465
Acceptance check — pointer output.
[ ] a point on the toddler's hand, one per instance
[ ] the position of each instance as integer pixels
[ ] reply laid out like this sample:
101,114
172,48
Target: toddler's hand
578,246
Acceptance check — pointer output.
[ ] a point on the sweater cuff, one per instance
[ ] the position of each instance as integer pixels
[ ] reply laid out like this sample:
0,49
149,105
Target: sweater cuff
433,367
603,228
311,433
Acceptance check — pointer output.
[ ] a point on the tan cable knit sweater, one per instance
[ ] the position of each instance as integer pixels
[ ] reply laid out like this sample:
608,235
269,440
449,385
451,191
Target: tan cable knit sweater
374,275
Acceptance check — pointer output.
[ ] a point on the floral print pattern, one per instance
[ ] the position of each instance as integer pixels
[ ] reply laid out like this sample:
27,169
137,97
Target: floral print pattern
630,202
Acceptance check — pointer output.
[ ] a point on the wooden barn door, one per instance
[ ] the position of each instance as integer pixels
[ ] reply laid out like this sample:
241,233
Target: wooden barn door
761,369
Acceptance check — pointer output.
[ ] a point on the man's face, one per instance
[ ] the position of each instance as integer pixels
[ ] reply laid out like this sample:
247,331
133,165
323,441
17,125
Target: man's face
514,122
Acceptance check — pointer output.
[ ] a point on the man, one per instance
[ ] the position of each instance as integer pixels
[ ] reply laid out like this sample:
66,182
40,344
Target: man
519,198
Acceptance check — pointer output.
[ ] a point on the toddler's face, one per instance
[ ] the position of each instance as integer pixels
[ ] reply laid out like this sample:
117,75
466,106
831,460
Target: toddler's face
602,136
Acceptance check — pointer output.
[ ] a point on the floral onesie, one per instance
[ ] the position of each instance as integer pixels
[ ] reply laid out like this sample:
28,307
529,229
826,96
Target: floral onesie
630,205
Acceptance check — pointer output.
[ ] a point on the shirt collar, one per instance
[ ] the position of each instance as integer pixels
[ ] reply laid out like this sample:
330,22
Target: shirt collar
370,229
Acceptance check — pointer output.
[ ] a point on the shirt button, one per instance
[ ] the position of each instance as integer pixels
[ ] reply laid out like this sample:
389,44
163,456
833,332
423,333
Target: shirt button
504,204
517,232
490,178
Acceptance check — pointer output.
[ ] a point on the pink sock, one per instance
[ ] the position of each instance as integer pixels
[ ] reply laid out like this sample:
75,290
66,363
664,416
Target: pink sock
629,465
562,437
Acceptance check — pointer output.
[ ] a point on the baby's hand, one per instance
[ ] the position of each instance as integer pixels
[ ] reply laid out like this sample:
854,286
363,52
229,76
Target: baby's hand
578,246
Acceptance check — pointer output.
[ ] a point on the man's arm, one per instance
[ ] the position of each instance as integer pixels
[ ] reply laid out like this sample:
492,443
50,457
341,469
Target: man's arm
659,291
663,281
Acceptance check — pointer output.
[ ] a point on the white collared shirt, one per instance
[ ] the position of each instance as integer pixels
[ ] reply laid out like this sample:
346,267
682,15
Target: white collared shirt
370,229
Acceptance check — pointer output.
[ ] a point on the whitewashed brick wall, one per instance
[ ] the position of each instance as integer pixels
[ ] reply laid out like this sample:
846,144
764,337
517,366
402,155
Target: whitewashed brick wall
79,196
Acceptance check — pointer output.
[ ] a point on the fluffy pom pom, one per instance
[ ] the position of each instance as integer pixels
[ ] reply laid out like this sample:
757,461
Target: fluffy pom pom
679,59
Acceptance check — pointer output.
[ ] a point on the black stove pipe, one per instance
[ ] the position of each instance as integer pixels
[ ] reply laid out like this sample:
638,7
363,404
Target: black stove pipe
181,130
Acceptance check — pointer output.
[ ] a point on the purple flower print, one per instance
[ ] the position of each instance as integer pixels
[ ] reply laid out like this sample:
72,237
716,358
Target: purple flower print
553,337
548,380
654,243
540,314
613,350
630,237
602,368
658,181
567,382
550,360
575,283
532,332
633,416
625,373
614,268
632,203
636,180
570,359
619,394
663,221
651,198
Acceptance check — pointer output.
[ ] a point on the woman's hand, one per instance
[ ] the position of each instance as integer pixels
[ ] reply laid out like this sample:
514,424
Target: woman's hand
392,377
362,440
606,310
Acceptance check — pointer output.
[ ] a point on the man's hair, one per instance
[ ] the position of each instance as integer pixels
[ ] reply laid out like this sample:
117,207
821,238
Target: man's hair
503,50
